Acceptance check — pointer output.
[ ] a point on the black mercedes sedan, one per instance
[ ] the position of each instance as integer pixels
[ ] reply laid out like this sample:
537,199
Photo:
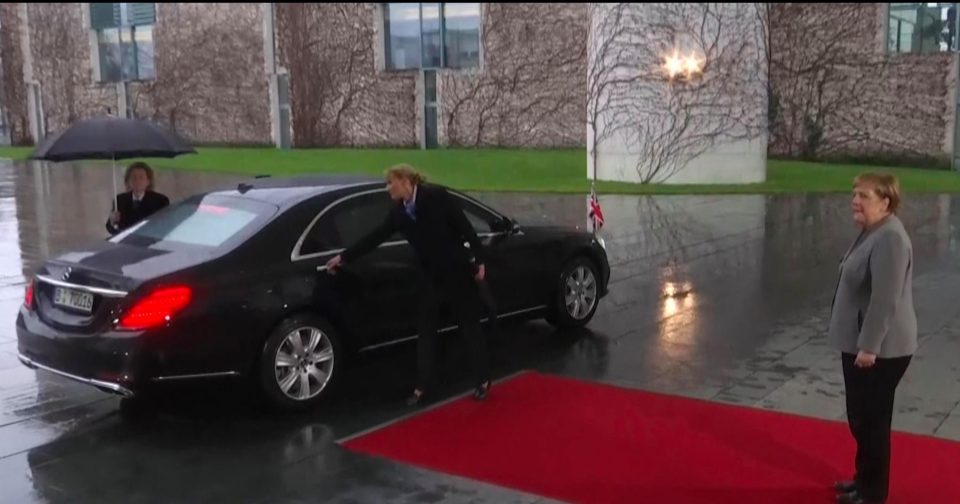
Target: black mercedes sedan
232,283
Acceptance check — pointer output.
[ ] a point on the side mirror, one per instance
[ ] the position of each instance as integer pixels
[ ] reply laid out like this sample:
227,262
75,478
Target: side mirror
506,225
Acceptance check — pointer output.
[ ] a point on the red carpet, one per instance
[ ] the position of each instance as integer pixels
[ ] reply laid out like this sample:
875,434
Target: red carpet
583,442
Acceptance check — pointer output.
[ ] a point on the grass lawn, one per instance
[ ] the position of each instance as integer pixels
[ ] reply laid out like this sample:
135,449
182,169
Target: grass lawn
521,170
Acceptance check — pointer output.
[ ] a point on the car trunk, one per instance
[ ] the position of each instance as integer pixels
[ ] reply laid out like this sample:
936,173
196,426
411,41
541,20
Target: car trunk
82,292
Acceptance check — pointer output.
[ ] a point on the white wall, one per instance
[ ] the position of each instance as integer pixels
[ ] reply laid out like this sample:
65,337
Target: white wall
710,129
736,162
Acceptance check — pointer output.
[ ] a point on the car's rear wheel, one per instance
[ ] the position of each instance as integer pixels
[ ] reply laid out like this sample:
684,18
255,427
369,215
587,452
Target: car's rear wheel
577,295
299,363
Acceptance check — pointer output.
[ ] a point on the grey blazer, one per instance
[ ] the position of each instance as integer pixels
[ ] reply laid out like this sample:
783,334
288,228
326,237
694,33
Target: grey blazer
873,304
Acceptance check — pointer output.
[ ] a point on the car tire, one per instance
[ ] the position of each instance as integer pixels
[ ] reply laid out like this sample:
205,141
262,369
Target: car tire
576,296
285,370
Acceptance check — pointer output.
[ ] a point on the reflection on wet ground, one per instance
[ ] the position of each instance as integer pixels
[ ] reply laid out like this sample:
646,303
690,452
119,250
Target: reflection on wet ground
750,276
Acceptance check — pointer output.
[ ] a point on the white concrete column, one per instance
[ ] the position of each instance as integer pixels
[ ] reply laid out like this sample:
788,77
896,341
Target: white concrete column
701,121
270,69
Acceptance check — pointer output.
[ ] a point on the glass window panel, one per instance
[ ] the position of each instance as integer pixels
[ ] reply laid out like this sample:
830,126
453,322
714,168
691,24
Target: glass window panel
110,55
207,224
139,14
922,27
128,54
432,45
402,35
462,25
104,15
477,218
143,36
348,222
950,35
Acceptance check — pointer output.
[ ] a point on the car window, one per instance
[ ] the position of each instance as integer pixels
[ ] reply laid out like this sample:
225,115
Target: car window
208,222
479,218
348,222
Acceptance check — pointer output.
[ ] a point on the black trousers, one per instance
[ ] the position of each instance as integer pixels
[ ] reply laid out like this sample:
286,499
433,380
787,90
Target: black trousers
870,395
462,294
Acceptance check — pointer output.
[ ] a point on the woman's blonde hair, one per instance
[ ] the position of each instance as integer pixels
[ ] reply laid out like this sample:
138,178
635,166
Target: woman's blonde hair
885,185
404,171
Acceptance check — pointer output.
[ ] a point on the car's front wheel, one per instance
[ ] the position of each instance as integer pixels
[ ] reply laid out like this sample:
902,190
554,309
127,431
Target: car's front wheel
577,295
299,363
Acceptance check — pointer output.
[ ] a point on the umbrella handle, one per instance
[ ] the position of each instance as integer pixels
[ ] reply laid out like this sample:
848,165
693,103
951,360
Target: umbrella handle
113,178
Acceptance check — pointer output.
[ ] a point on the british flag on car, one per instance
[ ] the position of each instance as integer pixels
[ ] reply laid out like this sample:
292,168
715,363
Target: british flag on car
595,212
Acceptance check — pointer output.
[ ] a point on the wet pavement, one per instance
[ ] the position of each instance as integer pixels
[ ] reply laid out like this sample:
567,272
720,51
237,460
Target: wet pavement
758,274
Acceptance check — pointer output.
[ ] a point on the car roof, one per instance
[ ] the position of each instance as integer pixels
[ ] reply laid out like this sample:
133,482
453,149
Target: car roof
285,191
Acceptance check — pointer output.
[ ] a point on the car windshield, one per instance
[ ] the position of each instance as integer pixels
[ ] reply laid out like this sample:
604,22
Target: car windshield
205,223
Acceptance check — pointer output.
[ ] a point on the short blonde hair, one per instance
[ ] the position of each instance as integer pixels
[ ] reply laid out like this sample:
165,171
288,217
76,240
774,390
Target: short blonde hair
885,185
404,171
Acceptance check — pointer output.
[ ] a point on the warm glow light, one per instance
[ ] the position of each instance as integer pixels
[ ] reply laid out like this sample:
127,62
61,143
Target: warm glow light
670,307
679,318
672,290
676,65
669,290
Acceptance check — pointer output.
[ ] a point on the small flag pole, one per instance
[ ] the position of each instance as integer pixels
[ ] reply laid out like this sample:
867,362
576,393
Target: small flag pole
593,190
593,198
596,215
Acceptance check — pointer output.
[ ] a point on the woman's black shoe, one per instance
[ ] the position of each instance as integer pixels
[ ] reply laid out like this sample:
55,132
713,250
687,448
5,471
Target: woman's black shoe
480,393
416,398
845,486
855,497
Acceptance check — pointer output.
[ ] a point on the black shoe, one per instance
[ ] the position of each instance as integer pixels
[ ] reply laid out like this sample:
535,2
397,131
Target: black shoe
417,398
845,486
855,497
480,393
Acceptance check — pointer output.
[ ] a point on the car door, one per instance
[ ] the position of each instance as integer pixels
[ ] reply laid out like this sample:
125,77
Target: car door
511,262
376,293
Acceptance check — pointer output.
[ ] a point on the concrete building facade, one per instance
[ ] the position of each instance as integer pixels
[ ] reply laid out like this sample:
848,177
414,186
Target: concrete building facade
306,75
873,81
855,80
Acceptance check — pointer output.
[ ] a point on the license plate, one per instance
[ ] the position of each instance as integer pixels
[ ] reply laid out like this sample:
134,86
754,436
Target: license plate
82,301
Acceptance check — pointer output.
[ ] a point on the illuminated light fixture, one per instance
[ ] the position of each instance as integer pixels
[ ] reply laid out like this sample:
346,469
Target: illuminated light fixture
676,65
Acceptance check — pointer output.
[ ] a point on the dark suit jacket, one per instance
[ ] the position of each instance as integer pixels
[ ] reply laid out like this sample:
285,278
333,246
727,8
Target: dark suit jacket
151,203
436,235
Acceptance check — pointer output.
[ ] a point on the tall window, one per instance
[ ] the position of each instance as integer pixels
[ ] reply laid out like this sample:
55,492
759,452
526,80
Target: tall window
922,27
431,35
124,40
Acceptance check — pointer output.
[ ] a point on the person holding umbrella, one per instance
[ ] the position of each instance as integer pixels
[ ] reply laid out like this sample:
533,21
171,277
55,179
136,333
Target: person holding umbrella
113,138
139,202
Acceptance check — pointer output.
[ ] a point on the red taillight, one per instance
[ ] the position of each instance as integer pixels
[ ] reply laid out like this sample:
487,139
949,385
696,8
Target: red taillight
28,295
156,309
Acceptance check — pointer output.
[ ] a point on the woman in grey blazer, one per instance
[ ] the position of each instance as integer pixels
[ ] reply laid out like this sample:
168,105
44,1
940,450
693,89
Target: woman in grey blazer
874,326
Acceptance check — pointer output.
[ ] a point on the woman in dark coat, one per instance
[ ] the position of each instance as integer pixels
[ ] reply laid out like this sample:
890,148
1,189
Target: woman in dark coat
139,202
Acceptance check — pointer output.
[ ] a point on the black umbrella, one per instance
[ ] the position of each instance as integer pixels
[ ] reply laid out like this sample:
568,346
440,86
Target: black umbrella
112,138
